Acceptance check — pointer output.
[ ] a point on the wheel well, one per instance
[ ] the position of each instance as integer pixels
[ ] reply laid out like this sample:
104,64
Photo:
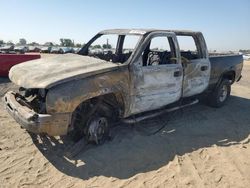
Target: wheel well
110,104
230,75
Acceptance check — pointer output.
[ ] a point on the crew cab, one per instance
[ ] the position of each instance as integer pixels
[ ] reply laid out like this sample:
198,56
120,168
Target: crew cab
120,74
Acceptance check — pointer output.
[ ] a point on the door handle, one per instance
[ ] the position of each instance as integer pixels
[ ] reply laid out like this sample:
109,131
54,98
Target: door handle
177,73
204,68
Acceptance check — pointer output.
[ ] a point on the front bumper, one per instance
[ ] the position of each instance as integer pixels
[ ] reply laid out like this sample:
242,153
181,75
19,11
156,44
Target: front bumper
56,124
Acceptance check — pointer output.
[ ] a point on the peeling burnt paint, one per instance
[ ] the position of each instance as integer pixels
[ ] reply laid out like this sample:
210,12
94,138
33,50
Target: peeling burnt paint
195,80
66,97
155,87
48,72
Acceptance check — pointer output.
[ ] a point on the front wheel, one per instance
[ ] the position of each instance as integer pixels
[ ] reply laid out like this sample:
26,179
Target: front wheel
91,123
219,97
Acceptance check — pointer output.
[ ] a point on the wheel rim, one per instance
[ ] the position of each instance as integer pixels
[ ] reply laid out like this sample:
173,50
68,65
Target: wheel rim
97,129
223,93
101,129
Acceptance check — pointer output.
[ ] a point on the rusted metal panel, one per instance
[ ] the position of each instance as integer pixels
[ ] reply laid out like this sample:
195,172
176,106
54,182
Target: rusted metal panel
145,31
196,71
196,80
66,97
55,124
156,87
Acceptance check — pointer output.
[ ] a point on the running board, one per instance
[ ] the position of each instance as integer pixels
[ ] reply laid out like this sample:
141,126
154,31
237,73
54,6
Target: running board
153,114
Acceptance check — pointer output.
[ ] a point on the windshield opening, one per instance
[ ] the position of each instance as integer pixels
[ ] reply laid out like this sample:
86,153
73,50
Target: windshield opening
111,47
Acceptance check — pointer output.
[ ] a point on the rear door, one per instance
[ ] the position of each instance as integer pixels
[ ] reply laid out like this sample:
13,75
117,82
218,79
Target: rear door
196,63
157,74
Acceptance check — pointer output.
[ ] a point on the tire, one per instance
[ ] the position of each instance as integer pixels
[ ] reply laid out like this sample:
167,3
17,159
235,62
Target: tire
82,120
76,131
221,94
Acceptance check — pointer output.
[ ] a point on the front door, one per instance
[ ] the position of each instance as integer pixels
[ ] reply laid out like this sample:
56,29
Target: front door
158,74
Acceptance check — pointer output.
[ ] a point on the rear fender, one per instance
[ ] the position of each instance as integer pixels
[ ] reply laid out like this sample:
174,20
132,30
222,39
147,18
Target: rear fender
230,75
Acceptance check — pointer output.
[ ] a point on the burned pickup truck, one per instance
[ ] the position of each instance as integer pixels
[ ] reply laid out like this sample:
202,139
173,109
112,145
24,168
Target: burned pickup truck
121,74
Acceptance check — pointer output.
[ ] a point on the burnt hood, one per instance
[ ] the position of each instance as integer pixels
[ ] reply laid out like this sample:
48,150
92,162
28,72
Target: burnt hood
47,72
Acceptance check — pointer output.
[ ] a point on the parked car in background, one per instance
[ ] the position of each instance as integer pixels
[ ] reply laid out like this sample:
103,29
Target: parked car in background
96,50
7,49
246,56
46,49
34,49
65,50
21,49
76,50
55,50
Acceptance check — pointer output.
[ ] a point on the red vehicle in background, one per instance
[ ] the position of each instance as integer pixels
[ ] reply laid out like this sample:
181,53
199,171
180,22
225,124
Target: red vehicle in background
9,60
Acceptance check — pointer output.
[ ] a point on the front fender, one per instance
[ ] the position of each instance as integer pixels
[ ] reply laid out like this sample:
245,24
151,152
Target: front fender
66,97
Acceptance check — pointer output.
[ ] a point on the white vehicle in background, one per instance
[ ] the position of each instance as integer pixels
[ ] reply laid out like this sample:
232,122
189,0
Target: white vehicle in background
246,56
65,50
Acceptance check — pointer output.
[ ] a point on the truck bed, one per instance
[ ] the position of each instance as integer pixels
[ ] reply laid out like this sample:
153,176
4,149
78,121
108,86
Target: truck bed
224,63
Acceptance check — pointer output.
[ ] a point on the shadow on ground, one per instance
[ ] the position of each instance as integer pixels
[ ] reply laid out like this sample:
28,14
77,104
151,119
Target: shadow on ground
132,152
6,85
4,80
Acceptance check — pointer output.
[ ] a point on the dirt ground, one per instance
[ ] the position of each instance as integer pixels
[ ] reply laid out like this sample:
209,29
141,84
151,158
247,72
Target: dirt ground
199,147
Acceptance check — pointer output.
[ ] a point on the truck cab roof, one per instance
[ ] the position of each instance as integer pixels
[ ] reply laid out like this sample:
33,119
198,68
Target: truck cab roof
146,31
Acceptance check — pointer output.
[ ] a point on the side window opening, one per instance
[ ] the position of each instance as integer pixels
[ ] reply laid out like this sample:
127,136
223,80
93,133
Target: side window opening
160,51
112,47
189,48
104,47
129,44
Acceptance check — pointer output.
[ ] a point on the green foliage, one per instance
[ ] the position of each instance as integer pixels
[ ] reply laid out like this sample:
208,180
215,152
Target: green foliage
78,45
10,43
48,44
22,41
106,46
33,44
67,42
97,46
244,51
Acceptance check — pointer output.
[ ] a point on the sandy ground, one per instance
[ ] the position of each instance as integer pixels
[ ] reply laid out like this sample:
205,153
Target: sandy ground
199,147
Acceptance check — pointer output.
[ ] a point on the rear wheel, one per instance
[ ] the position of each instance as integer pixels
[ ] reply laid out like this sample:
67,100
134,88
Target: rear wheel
219,97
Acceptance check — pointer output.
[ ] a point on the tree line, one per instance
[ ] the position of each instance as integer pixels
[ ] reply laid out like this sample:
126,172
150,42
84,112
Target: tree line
63,42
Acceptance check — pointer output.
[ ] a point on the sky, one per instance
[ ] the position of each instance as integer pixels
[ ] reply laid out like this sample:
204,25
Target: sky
224,23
